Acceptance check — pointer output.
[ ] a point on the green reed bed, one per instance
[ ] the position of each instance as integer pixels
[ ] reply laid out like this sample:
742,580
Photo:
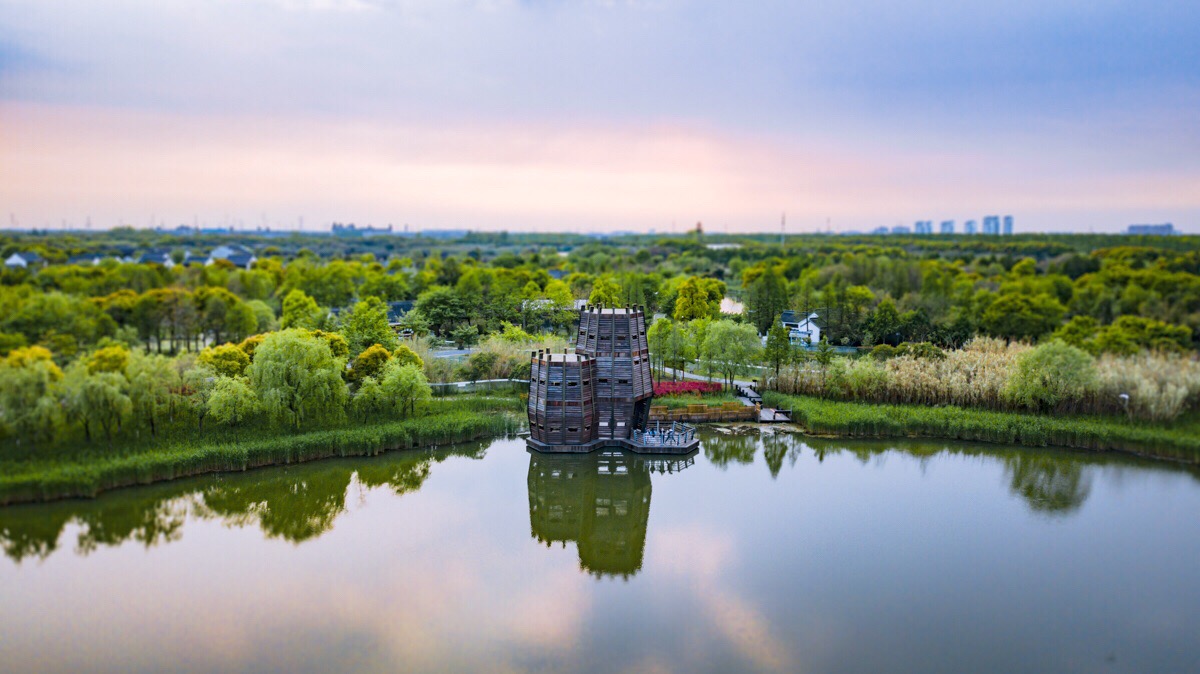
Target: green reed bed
86,474
1179,441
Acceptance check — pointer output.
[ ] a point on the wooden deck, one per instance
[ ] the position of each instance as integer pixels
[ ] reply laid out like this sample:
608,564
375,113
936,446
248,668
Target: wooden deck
613,443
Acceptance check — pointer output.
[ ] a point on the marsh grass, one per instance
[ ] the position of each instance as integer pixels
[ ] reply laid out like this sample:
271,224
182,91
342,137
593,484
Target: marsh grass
1160,387
1179,441
70,474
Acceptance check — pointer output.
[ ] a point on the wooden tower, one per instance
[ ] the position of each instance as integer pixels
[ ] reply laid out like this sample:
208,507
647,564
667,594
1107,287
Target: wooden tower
615,339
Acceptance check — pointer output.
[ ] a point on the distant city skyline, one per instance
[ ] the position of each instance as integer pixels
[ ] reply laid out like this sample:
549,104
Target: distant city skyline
599,116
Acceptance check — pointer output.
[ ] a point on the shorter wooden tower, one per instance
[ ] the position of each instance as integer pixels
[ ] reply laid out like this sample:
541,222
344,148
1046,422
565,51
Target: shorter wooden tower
561,403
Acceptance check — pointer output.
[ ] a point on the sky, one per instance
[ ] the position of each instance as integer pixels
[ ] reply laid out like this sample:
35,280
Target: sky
594,115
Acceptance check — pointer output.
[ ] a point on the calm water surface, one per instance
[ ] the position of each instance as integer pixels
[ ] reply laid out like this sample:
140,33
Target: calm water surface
770,552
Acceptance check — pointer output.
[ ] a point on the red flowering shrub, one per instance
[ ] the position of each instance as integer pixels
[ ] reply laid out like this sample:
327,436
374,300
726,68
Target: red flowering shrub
696,388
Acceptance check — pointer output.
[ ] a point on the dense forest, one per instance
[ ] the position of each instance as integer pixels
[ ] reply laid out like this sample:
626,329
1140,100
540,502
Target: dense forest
130,331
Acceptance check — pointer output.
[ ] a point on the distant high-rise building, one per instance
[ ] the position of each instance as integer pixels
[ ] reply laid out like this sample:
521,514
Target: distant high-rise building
991,224
923,226
969,227
1008,219
880,230
901,229
947,227
1164,229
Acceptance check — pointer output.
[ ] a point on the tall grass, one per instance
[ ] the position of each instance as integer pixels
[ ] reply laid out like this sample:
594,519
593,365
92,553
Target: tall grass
849,419
88,475
1160,387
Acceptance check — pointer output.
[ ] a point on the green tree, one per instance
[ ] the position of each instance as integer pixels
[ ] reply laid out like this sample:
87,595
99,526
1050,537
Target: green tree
109,359
232,401
730,347
406,356
680,348
824,355
338,345
264,316
415,322
779,348
406,387
698,298
656,339
766,298
96,399
562,305
387,287
367,324
443,308
884,323
1016,316
30,384
369,363
152,381
480,365
297,379
605,293
1050,374
465,335
1079,332
300,311
1130,334
198,385
227,359
369,401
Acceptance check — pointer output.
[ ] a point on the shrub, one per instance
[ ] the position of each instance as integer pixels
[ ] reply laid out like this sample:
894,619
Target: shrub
369,363
696,388
249,344
1050,375
108,359
406,356
226,359
883,352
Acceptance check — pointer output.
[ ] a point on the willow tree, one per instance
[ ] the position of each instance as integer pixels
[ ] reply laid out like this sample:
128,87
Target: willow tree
406,387
297,379
729,347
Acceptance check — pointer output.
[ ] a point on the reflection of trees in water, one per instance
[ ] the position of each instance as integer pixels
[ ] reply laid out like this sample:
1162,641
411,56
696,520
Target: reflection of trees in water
600,501
1048,483
158,522
725,448
778,446
297,508
32,531
1048,480
740,445
295,503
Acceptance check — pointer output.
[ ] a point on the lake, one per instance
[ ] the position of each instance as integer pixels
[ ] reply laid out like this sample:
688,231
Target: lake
766,551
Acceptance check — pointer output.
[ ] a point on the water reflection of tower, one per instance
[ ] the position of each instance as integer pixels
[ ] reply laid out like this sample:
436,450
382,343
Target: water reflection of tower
600,501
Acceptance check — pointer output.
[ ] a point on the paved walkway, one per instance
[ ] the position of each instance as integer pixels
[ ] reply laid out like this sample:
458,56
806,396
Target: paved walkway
699,377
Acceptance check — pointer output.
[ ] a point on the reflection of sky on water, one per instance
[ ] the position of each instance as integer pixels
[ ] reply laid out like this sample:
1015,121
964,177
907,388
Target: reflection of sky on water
773,552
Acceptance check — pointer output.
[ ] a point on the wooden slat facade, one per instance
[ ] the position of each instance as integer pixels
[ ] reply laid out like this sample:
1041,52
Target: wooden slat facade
616,340
602,392
561,406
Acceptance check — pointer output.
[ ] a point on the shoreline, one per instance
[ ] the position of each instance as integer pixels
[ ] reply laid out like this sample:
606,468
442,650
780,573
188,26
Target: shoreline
829,418
78,480
814,417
